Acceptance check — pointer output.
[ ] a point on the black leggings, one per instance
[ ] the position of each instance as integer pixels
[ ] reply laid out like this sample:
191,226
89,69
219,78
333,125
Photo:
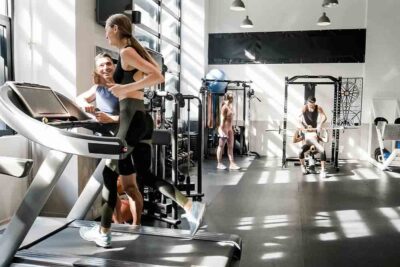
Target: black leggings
136,127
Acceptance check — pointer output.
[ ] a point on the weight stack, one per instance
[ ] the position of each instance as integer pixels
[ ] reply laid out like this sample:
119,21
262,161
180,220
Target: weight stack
193,144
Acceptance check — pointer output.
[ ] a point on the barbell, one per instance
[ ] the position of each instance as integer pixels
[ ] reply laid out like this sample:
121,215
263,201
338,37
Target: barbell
280,130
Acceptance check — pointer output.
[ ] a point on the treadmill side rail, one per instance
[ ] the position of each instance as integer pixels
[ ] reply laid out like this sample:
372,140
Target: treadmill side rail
36,197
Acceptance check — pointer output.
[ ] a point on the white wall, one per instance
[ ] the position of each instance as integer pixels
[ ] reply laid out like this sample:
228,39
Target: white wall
12,189
290,15
194,48
54,45
45,53
45,43
382,66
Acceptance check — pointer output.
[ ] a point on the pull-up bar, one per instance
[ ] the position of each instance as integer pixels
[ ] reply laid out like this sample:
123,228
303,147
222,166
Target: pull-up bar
226,81
316,83
294,78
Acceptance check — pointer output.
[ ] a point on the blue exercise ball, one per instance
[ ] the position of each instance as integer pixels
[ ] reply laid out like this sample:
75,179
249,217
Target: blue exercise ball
217,87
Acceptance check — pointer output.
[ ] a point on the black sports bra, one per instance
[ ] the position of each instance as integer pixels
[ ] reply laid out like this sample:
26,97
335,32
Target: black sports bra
122,76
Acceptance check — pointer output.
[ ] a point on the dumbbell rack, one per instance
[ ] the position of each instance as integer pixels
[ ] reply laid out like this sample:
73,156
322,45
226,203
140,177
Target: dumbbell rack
184,182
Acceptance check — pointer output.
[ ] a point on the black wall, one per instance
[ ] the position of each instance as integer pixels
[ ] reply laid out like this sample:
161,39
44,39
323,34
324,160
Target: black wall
328,46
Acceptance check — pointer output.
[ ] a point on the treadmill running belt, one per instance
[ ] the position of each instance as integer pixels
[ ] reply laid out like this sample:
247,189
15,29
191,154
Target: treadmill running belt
149,249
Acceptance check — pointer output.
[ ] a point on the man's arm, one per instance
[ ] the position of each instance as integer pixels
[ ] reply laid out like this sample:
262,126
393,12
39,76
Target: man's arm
83,100
323,117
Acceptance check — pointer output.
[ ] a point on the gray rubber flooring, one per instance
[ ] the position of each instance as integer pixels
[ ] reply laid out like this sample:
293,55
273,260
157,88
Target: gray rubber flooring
350,218
147,249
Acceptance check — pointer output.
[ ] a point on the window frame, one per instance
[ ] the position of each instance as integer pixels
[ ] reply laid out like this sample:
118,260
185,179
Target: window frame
162,38
7,21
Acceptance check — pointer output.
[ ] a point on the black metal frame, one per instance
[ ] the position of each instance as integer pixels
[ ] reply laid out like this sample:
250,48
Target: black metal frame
337,82
174,145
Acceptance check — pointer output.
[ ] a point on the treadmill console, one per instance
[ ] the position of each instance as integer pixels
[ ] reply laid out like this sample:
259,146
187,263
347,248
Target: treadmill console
41,101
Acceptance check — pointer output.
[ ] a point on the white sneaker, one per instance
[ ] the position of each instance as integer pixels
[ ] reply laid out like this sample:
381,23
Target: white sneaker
93,234
322,174
221,166
195,216
234,167
303,170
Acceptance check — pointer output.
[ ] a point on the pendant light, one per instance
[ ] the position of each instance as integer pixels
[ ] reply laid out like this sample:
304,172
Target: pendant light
324,20
330,3
247,23
238,5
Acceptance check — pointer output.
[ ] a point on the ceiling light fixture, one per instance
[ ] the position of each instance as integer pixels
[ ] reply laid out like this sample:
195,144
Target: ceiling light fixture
128,9
247,23
238,5
324,20
330,3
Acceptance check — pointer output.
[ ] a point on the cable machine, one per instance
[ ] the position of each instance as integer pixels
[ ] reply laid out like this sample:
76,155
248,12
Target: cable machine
309,90
187,186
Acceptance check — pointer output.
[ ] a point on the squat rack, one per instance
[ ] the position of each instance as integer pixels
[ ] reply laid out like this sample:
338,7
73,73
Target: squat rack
337,98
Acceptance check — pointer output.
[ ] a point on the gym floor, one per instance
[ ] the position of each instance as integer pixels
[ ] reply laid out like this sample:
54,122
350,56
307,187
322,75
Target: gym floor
351,218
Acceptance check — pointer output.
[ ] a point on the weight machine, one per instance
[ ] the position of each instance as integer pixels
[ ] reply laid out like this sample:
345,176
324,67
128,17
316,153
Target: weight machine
185,185
385,119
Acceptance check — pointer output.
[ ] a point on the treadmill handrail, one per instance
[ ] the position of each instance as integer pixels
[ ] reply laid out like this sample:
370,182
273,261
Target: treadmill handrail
15,167
58,139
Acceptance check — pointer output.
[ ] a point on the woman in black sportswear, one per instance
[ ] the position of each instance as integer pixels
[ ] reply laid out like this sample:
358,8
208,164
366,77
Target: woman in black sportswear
135,70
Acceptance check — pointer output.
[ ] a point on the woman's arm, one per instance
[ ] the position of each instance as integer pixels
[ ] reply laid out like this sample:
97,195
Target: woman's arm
152,76
224,111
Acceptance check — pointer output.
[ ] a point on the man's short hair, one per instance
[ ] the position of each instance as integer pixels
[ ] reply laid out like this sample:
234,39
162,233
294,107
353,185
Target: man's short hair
311,99
103,55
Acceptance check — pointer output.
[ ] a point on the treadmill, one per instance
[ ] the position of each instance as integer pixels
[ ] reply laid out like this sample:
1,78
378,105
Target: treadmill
47,117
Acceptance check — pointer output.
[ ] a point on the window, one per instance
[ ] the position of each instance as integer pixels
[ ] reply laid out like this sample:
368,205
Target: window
173,6
149,13
170,26
6,64
159,30
171,82
146,39
171,56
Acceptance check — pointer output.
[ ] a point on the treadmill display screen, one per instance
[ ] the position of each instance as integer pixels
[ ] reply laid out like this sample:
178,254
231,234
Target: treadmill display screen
42,102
